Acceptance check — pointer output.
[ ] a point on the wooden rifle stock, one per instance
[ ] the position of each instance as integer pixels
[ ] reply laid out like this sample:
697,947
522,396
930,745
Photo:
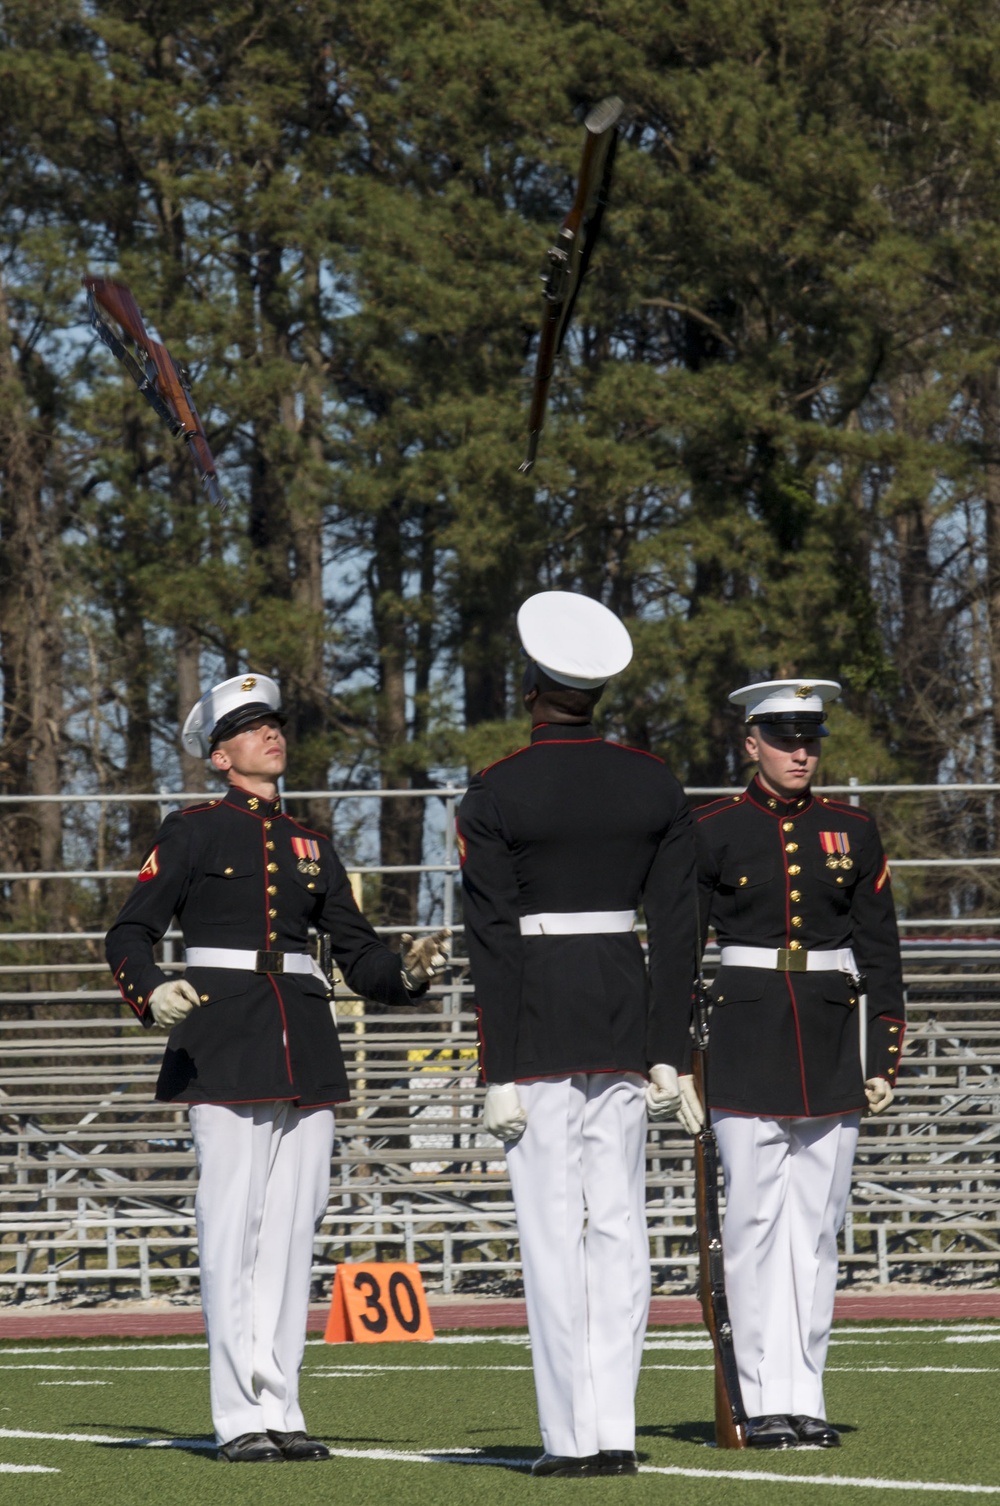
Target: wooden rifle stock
730,1415
163,383
568,259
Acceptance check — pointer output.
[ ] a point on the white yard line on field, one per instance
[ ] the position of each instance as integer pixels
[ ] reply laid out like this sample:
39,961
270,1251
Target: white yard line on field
359,1369
84,1348
127,1369
964,1333
473,1456
199,1443
358,1372
377,1369
914,1369
855,1482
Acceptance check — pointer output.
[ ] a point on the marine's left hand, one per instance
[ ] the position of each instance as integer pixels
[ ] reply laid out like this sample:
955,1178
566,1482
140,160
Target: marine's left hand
422,960
504,1115
663,1096
878,1093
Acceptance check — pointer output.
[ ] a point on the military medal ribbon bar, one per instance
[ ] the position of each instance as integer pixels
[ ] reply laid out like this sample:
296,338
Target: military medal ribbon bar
836,845
307,852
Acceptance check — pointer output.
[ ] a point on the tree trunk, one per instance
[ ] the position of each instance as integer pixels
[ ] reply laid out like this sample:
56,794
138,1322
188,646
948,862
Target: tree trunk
30,628
401,821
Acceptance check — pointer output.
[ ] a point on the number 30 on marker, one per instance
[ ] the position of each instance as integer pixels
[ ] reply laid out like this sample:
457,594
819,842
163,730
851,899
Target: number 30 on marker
377,1303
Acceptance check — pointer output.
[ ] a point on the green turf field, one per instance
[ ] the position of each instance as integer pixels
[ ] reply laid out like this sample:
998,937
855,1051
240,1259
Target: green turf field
125,1421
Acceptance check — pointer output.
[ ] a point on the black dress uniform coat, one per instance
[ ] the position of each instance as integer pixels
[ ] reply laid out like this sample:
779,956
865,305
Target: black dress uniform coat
574,823
230,873
798,874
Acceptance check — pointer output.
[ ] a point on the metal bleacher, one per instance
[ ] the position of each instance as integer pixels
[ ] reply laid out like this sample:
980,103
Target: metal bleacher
98,1179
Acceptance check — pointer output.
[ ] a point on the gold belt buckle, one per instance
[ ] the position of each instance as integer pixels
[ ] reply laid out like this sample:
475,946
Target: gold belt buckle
792,962
270,962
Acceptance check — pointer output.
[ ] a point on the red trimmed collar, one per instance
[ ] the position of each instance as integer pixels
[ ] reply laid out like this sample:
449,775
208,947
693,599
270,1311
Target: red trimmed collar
565,732
774,805
254,805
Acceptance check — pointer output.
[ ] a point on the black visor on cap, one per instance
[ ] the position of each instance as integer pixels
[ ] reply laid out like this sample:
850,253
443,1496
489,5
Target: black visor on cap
790,724
242,716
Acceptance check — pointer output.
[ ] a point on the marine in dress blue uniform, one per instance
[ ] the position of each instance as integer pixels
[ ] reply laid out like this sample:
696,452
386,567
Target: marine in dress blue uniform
559,844
253,1048
806,1033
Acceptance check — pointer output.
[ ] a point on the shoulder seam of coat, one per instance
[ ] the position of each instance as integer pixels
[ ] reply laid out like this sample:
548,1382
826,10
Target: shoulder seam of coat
643,753
842,807
703,812
506,759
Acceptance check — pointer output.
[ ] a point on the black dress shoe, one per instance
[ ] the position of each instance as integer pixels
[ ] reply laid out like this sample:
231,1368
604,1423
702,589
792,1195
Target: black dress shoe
618,1461
815,1430
770,1432
564,1466
251,1448
298,1445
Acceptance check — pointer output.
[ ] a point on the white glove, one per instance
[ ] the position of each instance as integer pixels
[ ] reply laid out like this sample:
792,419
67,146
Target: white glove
667,1094
422,960
690,1113
879,1094
663,1096
504,1115
169,1003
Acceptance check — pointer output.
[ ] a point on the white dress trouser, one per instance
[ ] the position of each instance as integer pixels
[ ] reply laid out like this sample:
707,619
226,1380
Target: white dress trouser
264,1178
787,1183
578,1176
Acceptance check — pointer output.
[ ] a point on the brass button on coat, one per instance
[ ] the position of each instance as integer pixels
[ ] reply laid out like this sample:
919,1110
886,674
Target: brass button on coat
272,888
794,868
272,867
272,935
788,825
796,920
791,846
743,880
795,896
272,914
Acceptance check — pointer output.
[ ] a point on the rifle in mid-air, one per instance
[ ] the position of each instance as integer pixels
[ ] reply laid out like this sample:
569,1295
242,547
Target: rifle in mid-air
164,384
568,259
730,1415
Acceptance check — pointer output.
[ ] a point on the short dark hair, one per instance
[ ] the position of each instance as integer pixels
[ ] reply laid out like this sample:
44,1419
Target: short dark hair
570,700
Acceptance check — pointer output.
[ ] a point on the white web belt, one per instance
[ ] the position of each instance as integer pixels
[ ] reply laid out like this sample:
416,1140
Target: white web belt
784,960
255,962
576,922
